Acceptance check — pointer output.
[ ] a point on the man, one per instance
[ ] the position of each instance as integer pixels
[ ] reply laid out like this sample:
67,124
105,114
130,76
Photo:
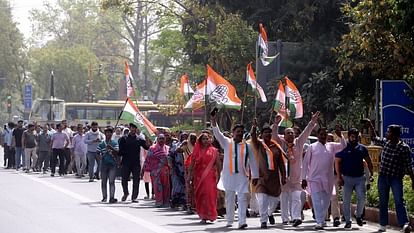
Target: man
271,173
349,166
395,163
234,176
129,150
17,144
29,145
293,147
8,148
79,151
108,152
92,139
60,142
318,172
43,142
69,159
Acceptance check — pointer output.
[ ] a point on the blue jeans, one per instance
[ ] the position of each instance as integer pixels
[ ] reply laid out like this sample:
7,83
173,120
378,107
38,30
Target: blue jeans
19,157
385,183
351,183
92,157
108,173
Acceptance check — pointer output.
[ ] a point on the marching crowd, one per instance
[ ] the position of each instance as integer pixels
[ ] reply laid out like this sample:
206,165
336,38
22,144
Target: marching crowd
214,173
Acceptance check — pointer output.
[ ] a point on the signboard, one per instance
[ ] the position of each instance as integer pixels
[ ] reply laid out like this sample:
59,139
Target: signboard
396,106
27,97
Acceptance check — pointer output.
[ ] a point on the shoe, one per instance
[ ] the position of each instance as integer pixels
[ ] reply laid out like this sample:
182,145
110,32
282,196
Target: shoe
324,224
134,200
348,226
263,225
52,175
406,228
91,180
124,197
318,227
113,200
243,226
146,197
285,223
229,224
296,222
203,221
360,222
271,220
382,228
336,222
103,199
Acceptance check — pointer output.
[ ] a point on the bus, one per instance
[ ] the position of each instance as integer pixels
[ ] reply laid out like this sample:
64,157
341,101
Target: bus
105,112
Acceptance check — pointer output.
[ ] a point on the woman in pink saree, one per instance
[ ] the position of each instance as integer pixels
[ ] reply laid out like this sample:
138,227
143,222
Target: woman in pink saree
203,170
157,164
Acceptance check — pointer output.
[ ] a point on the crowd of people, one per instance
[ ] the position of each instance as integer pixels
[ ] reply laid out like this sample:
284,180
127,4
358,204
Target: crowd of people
214,173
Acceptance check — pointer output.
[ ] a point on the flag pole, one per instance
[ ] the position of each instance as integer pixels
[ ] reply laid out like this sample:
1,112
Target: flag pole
119,116
205,103
257,74
244,100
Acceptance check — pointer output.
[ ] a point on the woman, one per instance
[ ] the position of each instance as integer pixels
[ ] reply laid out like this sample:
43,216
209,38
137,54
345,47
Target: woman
157,164
203,170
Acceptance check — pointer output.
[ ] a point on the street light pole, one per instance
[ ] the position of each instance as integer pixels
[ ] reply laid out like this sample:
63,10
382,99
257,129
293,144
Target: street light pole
52,94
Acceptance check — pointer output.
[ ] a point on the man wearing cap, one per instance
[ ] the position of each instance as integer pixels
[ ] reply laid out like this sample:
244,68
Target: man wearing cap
395,164
129,150
272,173
108,153
238,157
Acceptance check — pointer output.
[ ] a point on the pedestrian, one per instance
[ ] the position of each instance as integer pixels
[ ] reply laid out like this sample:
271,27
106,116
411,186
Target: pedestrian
108,152
29,145
177,178
17,144
349,164
272,173
129,150
158,166
318,172
43,141
396,162
79,151
69,158
92,139
187,148
234,177
9,150
60,142
292,143
203,171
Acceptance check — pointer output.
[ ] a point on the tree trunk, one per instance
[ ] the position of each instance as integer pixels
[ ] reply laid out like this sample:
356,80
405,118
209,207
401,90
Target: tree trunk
137,41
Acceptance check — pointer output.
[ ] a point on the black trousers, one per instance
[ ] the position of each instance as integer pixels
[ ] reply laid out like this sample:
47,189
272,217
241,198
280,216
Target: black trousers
58,153
67,159
127,169
9,154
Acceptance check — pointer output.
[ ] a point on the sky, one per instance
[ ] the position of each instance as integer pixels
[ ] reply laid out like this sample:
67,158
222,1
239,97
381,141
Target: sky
20,11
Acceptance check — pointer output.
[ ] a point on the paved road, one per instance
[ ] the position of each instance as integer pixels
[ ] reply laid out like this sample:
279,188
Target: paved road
38,203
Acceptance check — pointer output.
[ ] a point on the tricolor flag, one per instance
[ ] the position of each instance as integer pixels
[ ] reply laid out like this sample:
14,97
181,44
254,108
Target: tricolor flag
131,114
185,88
280,106
264,47
197,100
221,91
295,107
251,79
128,77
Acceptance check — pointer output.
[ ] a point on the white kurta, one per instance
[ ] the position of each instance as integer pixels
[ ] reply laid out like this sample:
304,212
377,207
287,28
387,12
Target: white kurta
231,180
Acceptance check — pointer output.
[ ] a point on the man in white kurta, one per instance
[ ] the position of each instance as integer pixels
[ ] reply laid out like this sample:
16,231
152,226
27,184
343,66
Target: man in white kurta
238,158
318,173
291,203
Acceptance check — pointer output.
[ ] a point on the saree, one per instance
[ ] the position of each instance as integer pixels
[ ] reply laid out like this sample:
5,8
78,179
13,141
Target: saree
157,164
205,182
178,194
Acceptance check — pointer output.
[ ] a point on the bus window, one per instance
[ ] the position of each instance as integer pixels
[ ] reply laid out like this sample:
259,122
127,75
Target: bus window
93,113
109,114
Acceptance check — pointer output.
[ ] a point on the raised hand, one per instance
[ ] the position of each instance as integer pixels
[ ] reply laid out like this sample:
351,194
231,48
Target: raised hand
338,130
278,119
315,117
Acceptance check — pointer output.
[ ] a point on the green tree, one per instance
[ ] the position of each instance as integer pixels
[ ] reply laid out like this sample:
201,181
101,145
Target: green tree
12,62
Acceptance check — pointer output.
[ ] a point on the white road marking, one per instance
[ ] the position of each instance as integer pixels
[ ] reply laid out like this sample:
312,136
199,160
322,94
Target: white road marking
144,223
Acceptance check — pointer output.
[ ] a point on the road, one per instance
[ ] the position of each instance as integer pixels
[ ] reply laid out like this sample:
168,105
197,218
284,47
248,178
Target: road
38,203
